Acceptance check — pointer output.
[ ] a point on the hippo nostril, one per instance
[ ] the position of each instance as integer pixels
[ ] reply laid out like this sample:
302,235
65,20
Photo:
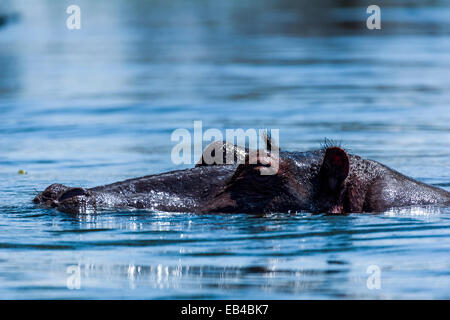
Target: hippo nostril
72,193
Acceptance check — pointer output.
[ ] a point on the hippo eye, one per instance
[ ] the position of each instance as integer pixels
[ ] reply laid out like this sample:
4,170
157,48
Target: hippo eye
72,193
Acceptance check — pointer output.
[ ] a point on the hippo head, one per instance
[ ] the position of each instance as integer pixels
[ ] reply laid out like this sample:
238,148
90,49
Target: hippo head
310,181
72,200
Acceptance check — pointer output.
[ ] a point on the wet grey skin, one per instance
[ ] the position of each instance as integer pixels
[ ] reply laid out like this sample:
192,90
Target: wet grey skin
327,180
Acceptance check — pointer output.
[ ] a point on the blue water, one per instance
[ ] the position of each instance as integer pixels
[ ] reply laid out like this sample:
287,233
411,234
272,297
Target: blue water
98,105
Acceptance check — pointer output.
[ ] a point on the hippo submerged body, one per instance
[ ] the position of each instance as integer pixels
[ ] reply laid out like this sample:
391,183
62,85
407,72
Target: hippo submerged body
323,181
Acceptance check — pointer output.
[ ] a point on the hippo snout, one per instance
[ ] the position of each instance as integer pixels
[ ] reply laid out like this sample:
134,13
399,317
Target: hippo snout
64,198
50,194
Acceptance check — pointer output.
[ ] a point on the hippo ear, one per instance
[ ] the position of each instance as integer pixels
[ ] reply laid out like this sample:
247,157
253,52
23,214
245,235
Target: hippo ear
334,169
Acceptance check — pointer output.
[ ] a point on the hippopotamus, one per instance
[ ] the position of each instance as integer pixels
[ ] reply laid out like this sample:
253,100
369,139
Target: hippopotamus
328,180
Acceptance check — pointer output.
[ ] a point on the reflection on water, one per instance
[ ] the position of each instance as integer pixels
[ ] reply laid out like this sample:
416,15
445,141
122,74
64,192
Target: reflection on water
98,105
145,255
